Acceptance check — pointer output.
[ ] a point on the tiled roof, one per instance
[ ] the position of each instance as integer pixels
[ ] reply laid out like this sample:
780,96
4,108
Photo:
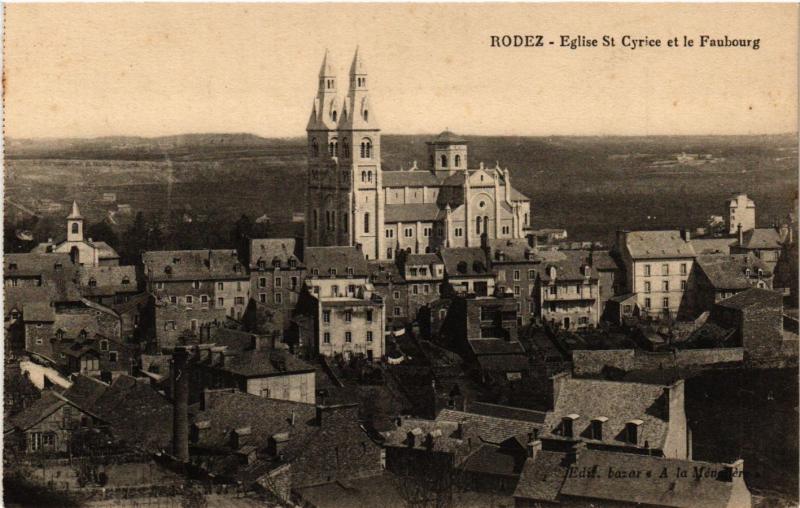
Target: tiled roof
761,238
495,460
752,296
664,487
619,402
491,429
658,245
508,412
84,392
512,251
185,265
108,279
542,477
465,262
422,259
409,179
340,258
423,212
271,249
266,363
570,268
713,245
730,271
602,260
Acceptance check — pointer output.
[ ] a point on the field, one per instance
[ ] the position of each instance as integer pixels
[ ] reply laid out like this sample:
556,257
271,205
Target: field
589,185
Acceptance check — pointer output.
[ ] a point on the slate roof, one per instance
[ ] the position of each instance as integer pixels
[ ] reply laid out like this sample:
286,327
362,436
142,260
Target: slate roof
266,363
570,267
713,245
503,363
29,264
448,441
384,272
340,258
602,260
658,245
422,259
514,251
109,279
541,478
270,249
370,492
729,271
667,489
413,212
84,392
49,403
105,251
38,312
495,460
752,296
620,402
447,137
507,412
495,346
187,265
491,429
761,238
465,262
409,179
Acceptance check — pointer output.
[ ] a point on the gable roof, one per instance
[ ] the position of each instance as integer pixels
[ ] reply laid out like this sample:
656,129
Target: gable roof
84,392
422,259
491,429
339,258
752,296
713,245
221,264
730,271
658,245
664,487
38,312
108,279
761,238
506,412
570,267
465,262
619,402
271,249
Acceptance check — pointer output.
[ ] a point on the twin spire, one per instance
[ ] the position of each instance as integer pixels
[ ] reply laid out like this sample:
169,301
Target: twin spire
328,112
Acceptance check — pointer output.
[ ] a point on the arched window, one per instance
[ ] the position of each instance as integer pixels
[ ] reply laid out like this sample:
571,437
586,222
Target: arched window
478,221
444,161
345,148
75,228
92,282
363,176
366,222
525,222
314,147
486,224
366,115
369,176
333,115
366,148
457,161
333,148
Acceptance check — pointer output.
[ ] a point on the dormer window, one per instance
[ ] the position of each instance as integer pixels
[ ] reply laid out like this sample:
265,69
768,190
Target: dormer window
60,334
276,263
332,271
760,273
262,265
552,272
292,263
567,425
315,272
125,281
92,283
633,431
175,261
747,272
168,270
597,427
350,270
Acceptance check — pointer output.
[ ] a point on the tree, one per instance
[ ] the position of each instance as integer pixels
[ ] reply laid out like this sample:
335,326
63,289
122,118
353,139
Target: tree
241,234
135,240
102,232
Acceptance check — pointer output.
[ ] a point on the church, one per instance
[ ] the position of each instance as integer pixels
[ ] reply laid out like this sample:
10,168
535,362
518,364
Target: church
82,251
351,201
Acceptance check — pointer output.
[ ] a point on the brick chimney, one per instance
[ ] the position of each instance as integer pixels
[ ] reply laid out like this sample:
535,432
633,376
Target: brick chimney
534,447
180,405
740,234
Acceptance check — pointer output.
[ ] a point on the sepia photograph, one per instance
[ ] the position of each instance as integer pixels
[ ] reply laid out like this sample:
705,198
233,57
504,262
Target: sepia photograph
390,255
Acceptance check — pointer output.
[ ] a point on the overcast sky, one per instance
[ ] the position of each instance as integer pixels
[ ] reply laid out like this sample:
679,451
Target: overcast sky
155,69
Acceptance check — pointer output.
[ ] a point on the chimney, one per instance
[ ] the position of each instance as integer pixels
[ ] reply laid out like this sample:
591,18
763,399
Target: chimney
534,447
180,405
686,235
621,239
674,401
414,437
576,451
740,233
293,418
259,342
239,436
200,430
278,443
556,382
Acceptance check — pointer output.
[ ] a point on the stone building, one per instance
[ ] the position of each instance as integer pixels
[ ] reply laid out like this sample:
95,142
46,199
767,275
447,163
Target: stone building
467,271
46,426
657,265
756,315
741,213
351,201
83,251
716,277
516,266
109,285
424,275
276,275
569,291
389,283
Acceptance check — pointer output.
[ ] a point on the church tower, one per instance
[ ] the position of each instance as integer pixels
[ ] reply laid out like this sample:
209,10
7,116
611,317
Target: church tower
75,224
361,153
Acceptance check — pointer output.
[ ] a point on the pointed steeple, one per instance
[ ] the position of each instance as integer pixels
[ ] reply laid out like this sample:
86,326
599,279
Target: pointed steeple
324,115
358,108
75,214
327,69
357,68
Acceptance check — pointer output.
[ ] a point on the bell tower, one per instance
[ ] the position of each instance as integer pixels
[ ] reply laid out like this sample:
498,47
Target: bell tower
75,224
361,153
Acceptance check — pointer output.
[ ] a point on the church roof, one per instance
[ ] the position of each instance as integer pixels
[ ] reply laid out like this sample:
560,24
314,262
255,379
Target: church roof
447,138
413,212
327,68
410,179
357,67
75,214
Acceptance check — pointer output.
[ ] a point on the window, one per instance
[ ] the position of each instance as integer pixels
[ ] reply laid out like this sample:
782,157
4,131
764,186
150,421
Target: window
112,356
457,161
396,295
369,316
335,290
75,228
103,345
366,222
366,149
647,303
350,271
665,285
326,316
316,219
415,289
397,311
262,297
348,337
517,291
409,232
196,284
278,282
332,272
459,232
516,275
553,290
348,316
426,231
326,337
220,285
278,298
506,230
444,160
314,147
333,146
632,432
665,303
189,299
423,271
683,268
583,320
92,282
173,299
647,270
220,302
345,148
531,274
683,285
315,271
426,288
262,282
293,283
239,300
159,285
389,233
647,286
665,269
413,272
369,336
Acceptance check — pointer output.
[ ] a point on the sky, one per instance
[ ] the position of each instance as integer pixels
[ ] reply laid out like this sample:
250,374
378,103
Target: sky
87,70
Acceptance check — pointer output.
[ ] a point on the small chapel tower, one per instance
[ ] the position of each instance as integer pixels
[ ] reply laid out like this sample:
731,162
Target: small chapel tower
75,224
